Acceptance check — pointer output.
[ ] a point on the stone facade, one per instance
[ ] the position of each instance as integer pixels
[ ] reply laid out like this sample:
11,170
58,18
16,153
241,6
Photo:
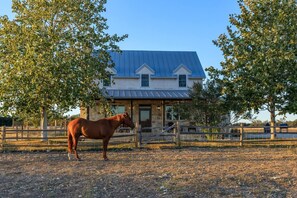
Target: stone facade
157,107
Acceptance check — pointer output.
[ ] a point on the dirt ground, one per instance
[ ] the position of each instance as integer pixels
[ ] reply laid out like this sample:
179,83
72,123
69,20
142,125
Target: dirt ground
187,172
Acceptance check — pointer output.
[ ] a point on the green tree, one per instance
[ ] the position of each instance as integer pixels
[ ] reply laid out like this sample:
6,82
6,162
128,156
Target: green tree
260,48
47,60
257,123
208,105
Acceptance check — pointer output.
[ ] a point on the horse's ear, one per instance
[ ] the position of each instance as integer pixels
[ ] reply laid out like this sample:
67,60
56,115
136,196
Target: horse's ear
126,114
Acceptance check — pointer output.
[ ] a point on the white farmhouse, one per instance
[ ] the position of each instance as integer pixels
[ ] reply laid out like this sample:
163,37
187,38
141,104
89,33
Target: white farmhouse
147,84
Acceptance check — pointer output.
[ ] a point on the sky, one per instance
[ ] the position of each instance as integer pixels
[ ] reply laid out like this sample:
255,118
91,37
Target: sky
169,25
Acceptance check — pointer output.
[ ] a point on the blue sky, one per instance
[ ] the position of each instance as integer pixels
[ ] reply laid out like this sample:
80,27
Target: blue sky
180,25
174,25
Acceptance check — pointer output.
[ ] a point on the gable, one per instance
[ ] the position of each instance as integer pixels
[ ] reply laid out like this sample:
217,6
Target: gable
145,69
112,71
182,70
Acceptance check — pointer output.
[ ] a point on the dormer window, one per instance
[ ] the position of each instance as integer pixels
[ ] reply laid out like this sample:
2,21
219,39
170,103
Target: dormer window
182,81
144,72
182,72
107,81
145,81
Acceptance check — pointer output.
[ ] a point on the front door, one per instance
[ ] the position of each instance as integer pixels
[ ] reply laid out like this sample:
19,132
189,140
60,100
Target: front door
145,117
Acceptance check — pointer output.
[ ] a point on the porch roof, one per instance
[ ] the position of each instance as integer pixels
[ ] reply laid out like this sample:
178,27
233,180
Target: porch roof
148,94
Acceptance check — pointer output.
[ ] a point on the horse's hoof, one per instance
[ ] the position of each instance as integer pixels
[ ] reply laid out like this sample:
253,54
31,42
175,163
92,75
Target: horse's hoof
69,156
106,159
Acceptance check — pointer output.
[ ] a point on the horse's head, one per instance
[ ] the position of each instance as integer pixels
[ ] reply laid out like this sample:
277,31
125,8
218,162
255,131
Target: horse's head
127,120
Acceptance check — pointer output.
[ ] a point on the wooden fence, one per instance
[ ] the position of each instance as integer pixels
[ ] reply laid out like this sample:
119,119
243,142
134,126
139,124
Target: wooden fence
24,138
217,136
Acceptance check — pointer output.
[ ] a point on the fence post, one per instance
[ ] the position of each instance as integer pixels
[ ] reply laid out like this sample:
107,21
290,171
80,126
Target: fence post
241,134
17,132
175,134
140,135
136,135
27,128
211,133
227,132
178,135
22,132
65,127
55,128
3,136
222,130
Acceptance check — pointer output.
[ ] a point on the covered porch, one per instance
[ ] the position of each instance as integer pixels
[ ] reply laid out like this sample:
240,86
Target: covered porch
148,108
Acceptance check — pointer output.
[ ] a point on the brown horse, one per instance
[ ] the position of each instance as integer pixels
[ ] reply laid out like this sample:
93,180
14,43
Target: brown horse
100,129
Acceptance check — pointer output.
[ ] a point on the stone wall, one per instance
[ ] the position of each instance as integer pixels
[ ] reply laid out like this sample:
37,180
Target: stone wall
157,110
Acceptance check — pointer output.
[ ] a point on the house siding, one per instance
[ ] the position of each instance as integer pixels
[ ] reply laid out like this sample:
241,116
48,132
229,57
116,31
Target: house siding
155,83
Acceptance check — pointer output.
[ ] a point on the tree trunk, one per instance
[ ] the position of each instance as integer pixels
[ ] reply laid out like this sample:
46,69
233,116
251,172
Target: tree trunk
272,122
43,124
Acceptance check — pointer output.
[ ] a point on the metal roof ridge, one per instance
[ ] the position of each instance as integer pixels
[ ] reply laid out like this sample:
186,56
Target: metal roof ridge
182,51
146,90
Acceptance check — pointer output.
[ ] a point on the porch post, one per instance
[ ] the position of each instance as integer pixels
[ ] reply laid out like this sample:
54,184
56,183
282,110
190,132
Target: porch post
131,109
163,113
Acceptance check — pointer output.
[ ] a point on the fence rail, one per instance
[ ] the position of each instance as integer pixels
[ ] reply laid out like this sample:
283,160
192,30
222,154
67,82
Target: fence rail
237,135
21,137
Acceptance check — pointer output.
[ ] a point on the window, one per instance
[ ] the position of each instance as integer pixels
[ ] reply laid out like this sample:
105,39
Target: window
117,109
107,81
144,80
170,114
182,81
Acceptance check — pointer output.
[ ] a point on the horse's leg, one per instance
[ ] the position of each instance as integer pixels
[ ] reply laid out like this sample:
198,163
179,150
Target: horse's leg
105,144
70,145
75,141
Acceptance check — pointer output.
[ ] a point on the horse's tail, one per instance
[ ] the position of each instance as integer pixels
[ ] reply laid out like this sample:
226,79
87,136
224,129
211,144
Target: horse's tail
70,142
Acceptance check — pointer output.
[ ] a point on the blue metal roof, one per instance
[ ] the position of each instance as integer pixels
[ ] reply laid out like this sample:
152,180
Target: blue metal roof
164,63
148,94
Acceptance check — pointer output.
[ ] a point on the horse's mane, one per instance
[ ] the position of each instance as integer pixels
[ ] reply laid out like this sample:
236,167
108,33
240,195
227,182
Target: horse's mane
113,117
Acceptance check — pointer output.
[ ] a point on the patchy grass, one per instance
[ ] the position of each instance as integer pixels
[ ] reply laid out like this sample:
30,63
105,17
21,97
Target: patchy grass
186,172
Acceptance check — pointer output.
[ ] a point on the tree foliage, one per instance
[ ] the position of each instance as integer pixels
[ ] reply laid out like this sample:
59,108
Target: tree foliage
260,50
46,55
208,107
